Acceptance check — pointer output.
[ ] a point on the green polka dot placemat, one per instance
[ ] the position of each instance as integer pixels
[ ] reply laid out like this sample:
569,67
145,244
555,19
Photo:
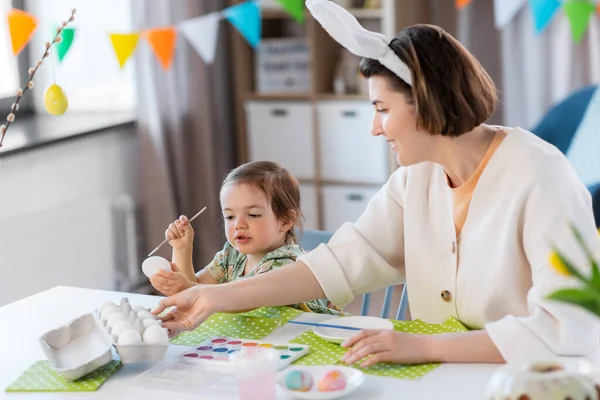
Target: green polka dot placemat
41,377
323,352
255,324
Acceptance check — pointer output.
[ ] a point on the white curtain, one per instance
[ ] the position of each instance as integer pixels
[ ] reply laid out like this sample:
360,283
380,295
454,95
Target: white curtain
541,70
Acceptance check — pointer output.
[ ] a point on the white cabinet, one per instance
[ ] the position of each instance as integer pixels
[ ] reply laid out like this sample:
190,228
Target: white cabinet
344,204
310,205
348,152
282,132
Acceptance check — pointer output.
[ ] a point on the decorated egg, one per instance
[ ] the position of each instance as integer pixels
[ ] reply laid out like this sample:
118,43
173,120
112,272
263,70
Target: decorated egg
333,380
55,100
299,381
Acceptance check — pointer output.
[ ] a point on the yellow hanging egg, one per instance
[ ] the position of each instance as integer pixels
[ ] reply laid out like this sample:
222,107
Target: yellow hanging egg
55,100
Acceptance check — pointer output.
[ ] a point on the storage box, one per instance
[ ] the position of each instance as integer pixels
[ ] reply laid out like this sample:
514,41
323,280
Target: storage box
283,65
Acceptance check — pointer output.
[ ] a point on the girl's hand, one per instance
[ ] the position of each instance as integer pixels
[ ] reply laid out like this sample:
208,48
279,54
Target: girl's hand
180,234
169,283
386,346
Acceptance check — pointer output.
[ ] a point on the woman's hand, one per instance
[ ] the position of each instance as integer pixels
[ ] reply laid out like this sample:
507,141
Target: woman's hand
190,308
170,283
386,346
180,234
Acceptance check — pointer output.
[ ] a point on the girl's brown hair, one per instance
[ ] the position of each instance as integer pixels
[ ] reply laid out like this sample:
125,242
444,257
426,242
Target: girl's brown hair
280,187
451,91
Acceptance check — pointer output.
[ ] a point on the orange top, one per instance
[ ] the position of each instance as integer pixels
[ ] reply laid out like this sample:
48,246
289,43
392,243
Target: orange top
461,196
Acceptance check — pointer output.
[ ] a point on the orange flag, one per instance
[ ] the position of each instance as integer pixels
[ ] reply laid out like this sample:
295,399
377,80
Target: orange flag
462,3
21,26
162,41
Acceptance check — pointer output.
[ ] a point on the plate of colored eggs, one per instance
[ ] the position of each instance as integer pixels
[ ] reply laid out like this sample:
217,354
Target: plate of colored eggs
320,382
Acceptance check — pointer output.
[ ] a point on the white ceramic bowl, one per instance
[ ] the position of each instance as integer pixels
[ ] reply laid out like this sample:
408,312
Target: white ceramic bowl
354,378
339,335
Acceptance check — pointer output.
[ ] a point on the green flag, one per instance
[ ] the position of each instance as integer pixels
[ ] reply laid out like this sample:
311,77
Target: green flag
579,13
67,35
295,8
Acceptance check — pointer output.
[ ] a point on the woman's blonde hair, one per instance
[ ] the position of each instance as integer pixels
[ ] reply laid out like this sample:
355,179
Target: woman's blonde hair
280,187
451,91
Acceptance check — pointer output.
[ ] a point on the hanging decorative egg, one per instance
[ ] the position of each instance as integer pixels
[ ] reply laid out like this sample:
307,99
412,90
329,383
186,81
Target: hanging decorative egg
540,381
55,100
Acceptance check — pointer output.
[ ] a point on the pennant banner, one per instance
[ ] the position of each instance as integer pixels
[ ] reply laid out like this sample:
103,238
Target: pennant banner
162,42
295,8
21,26
543,11
579,13
62,47
124,44
202,33
505,11
245,17
462,3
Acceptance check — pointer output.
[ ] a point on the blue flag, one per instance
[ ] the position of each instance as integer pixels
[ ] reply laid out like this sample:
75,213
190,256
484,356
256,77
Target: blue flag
543,11
245,17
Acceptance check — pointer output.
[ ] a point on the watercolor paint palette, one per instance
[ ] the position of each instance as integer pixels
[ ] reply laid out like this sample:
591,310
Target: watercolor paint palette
219,349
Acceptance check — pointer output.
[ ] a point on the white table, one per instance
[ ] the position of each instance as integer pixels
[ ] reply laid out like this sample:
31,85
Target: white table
24,321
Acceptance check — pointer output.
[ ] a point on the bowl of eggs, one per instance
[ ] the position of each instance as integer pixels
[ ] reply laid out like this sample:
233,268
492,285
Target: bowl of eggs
320,382
136,334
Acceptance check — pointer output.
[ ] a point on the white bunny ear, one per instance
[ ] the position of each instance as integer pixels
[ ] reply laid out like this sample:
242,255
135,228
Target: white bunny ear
345,29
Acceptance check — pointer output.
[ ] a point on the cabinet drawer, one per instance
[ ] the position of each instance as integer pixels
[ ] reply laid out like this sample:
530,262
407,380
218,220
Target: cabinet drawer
310,207
348,152
282,132
343,204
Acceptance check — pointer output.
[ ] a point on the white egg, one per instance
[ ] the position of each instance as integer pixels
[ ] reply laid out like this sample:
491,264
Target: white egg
121,327
116,317
106,304
129,337
145,314
152,265
137,309
155,334
148,322
108,312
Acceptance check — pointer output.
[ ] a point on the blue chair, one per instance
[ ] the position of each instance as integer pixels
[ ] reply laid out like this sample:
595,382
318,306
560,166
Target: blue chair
310,239
560,125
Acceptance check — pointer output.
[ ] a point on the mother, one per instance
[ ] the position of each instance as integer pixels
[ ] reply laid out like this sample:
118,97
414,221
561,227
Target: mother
467,220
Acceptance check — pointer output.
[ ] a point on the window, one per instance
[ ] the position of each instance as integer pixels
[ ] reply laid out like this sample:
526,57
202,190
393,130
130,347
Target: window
9,74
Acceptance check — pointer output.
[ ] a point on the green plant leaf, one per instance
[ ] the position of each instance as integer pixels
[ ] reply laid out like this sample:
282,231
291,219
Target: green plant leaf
572,270
585,298
595,269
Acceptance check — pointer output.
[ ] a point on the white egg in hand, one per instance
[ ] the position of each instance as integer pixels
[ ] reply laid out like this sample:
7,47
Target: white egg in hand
151,265
109,312
155,334
145,315
121,327
116,317
149,321
129,337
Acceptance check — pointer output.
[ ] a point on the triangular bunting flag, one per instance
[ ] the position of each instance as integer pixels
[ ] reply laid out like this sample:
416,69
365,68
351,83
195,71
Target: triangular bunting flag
21,26
245,17
162,41
543,11
295,8
203,34
462,3
505,11
579,13
62,47
124,45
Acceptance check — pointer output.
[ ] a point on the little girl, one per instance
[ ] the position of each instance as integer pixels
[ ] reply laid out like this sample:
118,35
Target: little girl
261,207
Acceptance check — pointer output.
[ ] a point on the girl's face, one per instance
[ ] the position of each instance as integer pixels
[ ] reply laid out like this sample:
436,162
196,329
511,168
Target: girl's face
395,119
251,226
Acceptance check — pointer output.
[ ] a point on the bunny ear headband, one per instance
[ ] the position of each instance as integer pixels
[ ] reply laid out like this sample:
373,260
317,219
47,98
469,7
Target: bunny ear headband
347,31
